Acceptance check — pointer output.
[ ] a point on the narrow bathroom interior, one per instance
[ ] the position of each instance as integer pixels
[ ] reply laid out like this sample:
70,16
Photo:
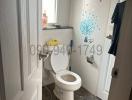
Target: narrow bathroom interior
65,50
76,37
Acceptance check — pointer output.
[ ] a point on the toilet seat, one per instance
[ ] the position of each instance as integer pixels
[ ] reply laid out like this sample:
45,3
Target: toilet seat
65,84
66,72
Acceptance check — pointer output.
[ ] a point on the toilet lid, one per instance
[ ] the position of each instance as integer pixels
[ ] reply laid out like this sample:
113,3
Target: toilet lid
59,59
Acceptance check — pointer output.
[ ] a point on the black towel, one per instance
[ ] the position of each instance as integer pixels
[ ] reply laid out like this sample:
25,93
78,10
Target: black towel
117,20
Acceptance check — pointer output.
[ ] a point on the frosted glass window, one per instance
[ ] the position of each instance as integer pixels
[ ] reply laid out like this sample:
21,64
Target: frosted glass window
50,8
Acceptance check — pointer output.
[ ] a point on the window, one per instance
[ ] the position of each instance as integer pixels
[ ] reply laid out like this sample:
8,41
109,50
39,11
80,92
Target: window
49,7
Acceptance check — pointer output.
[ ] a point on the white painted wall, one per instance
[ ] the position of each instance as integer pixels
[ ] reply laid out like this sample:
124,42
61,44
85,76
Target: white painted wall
63,12
89,73
63,35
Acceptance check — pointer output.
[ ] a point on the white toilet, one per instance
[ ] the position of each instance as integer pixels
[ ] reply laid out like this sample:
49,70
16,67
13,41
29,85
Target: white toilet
66,82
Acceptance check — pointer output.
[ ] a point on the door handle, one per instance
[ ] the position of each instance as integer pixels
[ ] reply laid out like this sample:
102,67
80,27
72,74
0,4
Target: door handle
115,72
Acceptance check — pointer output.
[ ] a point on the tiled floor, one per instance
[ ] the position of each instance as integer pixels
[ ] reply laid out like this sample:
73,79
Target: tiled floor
81,94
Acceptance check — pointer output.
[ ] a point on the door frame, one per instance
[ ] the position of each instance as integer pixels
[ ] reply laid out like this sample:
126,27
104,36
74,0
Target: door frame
2,86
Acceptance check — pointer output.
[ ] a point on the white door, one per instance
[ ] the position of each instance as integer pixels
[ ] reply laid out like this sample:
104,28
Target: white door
31,26
10,49
122,84
107,60
19,29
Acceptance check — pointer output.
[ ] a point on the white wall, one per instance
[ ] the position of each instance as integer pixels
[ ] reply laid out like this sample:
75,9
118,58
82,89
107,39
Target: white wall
89,73
63,35
63,12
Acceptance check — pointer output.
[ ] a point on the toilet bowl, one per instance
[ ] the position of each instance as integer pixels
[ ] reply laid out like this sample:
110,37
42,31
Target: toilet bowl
66,81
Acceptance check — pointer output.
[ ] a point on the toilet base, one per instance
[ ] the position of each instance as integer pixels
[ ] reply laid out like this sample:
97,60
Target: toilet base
63,95
67,95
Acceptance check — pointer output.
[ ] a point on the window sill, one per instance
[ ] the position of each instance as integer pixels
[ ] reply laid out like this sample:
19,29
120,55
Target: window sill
55,28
